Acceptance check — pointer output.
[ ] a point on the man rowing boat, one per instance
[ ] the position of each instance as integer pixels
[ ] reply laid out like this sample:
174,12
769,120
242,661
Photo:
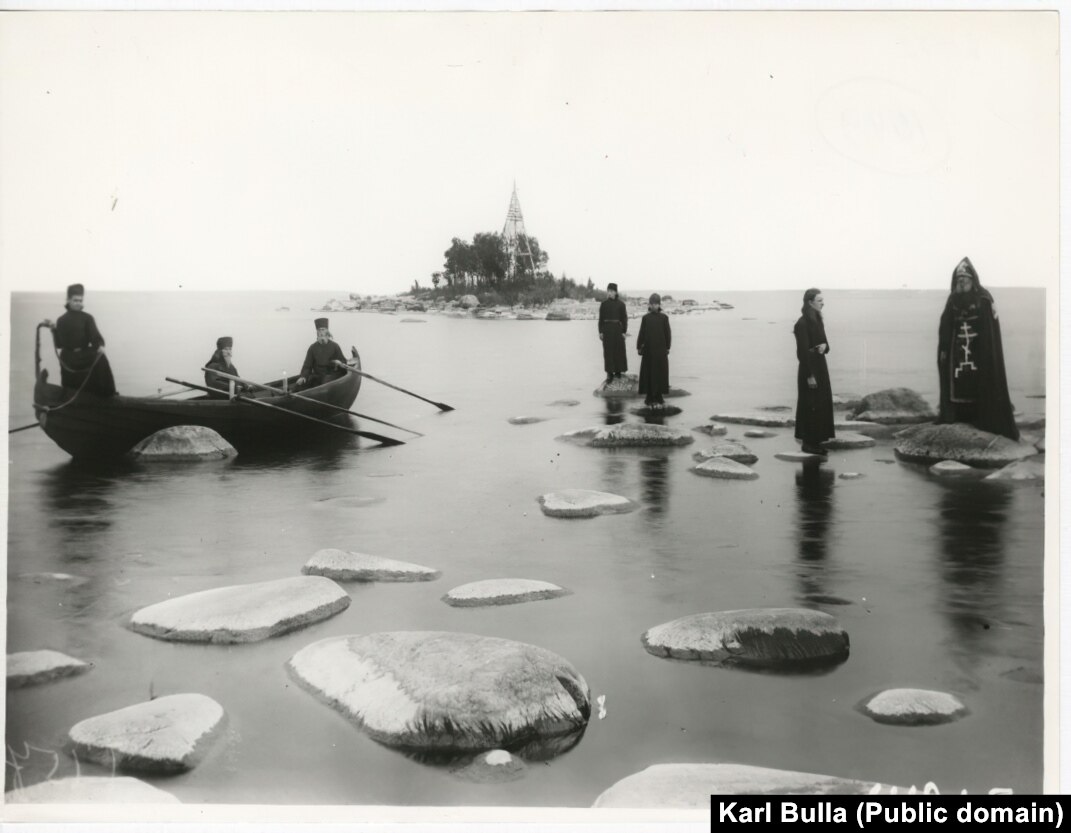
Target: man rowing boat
319,366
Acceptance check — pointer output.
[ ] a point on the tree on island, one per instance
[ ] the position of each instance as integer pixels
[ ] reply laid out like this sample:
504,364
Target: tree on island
482,268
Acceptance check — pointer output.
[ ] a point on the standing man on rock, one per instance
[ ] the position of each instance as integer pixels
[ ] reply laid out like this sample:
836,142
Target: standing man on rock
319,366
613,324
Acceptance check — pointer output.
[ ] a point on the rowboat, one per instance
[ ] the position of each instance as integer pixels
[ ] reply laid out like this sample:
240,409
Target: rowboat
89,426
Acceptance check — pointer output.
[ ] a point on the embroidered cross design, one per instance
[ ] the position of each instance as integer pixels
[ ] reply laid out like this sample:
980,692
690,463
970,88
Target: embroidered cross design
965,336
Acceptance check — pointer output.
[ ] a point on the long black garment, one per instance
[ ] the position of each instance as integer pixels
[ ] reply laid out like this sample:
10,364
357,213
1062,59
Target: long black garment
653,344
319,363
814,406
613,324
217,362
974,384
77,338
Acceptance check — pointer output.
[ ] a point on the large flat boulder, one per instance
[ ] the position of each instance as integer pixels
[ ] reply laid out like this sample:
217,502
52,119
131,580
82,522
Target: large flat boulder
758,416
244,612
183,443
339,565
765,637
846,440
583,503
913,707
94,789
166,735
502,591
960,443
690,786
640,434
724,469
894,406
26,668
730,449
625,386
433,690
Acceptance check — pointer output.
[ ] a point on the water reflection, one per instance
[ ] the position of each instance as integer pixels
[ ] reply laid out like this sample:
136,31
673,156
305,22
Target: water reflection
615,411
531,748
654,480
814,509
971,521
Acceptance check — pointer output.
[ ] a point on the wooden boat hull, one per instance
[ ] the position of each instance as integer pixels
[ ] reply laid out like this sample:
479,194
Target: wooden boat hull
96,427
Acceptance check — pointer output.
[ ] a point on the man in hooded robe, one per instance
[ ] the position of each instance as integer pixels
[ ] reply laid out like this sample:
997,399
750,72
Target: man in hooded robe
83,364
653,343
613,324
970,358
320,358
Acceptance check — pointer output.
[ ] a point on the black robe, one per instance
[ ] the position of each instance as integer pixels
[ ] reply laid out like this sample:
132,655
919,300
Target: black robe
77,338
974,385
653,344
613,324
319,363
217,362
814,406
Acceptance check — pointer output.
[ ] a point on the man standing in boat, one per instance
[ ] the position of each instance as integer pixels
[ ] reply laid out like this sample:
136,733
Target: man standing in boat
83,365
320,359
613,324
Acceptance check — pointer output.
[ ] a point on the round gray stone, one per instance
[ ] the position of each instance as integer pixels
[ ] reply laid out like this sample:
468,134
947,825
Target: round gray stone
913,707
438,690
183,443
894,406
93,789
759,433
27,668
340,565
950,468
168,734
847,440
766,637
525,420
724,468
961,443
730,449
502,591
1030,469
583,503
690,786
244,612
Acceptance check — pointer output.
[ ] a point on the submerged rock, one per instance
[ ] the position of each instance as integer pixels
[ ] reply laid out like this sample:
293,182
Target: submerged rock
583,503
525,420
729,449
866,429
94,789
27,668
624,386
340,565
183,443
492,767
690,786
724,468
165,735
1030,469
647,410
438,690
502,591
759,434
960,443
913,707
767,419
713,429
564,403
765,637
639,434
894,406
243,612
850,475
801,457
349,502
848,440
950,468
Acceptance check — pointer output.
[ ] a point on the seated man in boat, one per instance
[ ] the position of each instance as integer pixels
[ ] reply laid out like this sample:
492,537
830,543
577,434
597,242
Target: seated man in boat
221,363
83,364
320,359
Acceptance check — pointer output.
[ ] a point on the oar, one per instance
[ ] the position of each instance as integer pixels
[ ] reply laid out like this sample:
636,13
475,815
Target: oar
248,401
440,405
239,379
24,428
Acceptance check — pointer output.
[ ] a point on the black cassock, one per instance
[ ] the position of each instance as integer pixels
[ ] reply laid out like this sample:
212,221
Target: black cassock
974,384
77,338
814,406
653,344
613,324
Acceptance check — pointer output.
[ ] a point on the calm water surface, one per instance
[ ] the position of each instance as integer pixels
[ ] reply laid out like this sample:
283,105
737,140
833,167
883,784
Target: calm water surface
938,584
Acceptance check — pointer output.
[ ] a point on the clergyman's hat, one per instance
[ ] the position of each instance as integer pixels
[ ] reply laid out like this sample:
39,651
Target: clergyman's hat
321,323
75,289
611,287
224,342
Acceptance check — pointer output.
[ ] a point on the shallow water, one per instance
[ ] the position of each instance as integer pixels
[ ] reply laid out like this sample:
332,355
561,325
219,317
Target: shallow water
939,585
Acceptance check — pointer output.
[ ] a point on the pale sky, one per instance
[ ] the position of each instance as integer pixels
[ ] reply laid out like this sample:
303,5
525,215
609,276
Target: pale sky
686,150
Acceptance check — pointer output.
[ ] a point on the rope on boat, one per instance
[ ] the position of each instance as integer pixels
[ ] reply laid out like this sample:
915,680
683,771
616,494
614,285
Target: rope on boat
85,381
